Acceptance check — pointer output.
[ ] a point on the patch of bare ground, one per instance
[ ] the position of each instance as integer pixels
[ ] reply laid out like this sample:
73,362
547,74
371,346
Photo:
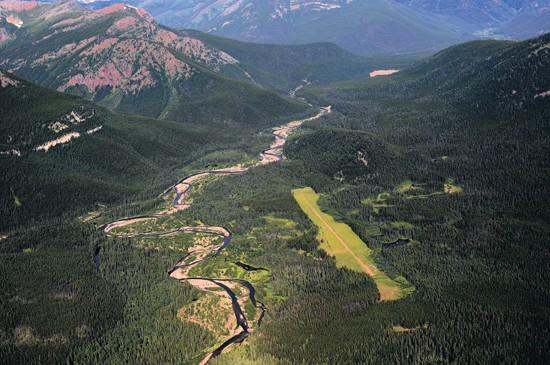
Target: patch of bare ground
401,329
26,336
119,224
57,127
200,312
94,130
66,138
6,81
383,72
362,157
12,152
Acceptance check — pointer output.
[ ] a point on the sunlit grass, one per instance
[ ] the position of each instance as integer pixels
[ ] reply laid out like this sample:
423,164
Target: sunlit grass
451,188
339,240
401,329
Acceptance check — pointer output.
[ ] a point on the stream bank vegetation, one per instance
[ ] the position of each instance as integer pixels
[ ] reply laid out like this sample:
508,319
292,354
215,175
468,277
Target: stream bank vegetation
477,256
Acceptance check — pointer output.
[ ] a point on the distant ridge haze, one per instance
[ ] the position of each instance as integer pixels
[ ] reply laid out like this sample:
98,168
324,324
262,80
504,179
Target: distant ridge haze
360,26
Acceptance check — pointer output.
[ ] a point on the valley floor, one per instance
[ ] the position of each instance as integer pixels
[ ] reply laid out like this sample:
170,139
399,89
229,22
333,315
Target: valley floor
409,225
230,290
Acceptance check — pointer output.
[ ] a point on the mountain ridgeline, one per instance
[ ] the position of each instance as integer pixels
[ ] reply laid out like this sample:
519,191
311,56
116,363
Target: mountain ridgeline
285,67
443,170
362,27
119,57
146,194
60,154
518,19
496,79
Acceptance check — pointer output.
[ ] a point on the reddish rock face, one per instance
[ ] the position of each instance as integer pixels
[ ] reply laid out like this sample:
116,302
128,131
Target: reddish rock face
128,68
130,56
125,24
19,5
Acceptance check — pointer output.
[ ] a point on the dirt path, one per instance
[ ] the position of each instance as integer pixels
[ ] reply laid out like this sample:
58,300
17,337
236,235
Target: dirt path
198,254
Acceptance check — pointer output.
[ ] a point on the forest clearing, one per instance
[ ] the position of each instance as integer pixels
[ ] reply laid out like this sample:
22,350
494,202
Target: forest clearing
339,240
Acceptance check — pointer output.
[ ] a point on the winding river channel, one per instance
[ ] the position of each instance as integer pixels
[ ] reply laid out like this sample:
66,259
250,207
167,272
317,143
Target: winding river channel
223,287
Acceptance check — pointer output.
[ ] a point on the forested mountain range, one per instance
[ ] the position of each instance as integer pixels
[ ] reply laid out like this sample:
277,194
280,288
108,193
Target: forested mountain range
60,153
457,165
497,78
374,26
121,58
285,67
118,56
440,168
519,19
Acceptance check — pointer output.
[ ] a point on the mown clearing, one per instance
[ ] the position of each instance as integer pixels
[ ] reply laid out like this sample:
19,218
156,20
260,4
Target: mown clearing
401,329
350,251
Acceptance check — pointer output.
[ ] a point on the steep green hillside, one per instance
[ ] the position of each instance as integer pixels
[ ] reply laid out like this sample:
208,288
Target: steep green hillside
499,78
452,193
492,78
285,67
54,190
99,158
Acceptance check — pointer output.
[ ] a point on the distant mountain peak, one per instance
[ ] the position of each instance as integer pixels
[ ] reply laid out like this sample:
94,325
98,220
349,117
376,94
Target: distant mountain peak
360,26
121,57
119,48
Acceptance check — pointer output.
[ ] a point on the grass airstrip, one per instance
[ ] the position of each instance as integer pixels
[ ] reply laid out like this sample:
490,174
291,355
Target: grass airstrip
339,240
